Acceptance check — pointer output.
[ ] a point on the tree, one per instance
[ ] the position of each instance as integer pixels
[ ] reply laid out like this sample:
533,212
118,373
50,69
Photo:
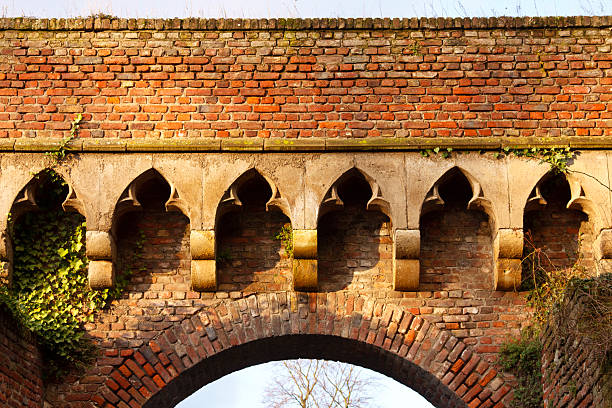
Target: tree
319,384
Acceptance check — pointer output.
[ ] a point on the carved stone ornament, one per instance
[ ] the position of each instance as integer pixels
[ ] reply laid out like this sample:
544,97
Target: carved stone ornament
376,202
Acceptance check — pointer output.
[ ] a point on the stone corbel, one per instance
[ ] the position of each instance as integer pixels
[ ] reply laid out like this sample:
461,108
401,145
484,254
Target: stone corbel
603,251
406,251
508,255
305,275
100,250
203,263
5,259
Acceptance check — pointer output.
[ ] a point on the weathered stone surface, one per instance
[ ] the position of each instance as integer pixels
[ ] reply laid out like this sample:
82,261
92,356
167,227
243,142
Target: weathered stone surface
202,244
101,274
407,244
507,274
406,274
100,245
203,275
305,244
305,277
509,243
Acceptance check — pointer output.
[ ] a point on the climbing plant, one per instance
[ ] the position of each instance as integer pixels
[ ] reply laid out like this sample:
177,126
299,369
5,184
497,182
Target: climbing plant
49,294
285,236
522,357
58,155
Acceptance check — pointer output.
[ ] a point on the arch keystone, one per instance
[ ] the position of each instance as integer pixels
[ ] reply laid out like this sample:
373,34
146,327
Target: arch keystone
406,266
305,274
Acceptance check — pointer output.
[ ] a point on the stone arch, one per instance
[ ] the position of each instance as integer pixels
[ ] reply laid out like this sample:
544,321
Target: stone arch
456,217
26,198
433,200
381,336
161,225
248,253
332,201
354,233
558,205
128,201
231,200
26,201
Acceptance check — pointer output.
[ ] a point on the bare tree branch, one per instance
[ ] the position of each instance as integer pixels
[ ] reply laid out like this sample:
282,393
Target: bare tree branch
319,384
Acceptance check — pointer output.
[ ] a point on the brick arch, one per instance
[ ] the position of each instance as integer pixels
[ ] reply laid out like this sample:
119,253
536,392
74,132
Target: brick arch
236,334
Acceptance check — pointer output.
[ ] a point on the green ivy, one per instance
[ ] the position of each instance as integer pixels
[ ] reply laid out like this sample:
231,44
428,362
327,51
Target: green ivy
285,236
522,358
559,158
60,154
50,294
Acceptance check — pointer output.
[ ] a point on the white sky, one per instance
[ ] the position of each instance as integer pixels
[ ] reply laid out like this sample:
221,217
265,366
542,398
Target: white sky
303,8
245,388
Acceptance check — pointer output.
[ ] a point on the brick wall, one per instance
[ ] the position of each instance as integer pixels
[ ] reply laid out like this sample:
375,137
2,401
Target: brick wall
306,78
575,372
135,79
252,259
562,237
355,251
21,382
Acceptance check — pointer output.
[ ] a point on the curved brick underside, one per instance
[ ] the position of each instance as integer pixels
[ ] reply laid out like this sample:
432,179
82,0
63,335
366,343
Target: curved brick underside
274,326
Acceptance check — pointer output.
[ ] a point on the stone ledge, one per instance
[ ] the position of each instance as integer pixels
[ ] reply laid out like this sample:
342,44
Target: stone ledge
301,145
296,24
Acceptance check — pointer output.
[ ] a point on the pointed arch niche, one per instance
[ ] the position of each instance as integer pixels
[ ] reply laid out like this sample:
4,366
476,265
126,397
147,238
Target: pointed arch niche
151,231
457,228
46,193
354,236
251,256
559,227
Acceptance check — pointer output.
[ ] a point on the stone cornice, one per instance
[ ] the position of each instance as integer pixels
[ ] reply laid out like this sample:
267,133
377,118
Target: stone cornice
103,23
299,145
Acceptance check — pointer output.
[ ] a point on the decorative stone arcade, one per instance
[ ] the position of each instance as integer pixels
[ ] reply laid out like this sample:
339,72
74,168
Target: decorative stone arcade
209,137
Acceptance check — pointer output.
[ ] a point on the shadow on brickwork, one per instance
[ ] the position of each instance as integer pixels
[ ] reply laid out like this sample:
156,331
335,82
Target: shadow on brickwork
560,236
354,244
249,256
153,246
456,243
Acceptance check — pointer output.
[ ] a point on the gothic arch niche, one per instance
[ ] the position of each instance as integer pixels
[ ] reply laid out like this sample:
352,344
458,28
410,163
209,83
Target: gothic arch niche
558,221
355,244
47,200
457,226
151,231
250,255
